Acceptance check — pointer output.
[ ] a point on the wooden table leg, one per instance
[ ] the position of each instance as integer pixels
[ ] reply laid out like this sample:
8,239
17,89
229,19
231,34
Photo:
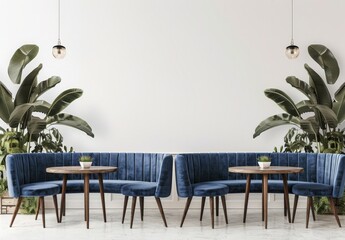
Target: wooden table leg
246,197
262,200
86,194
265,190
63,195
286,196
101,190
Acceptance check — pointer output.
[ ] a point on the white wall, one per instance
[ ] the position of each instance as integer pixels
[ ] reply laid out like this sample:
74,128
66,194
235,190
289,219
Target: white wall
172,75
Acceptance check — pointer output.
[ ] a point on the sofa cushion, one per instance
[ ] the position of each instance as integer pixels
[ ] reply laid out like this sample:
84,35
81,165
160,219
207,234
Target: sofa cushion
209,189
312,189
39,189
141,189
110,186
239,186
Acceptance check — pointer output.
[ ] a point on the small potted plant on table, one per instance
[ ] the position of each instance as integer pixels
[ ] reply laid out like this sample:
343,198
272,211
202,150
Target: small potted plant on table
264,161
85,161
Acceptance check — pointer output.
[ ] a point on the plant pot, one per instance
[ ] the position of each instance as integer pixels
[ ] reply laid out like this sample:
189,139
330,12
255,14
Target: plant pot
85,164
264,164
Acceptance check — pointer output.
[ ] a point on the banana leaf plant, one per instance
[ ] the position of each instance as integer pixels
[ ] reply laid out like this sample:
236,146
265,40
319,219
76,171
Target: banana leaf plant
319,115
31,120
24,111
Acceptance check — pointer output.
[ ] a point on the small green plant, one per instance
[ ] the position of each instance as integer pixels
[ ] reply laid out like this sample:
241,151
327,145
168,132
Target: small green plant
264,158
85,158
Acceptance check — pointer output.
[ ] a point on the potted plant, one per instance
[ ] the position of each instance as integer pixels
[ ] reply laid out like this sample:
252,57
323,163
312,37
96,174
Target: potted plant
264,161
85,161
29,119
318,119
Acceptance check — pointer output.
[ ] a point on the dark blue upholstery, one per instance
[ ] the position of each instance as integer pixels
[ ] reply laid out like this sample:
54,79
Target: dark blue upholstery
40,189
312,189
145,168
196,168
209,189
139,189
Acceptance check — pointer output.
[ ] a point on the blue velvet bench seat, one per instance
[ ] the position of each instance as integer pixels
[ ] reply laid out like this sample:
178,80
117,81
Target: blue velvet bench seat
311,190
39,190
147,169
212,168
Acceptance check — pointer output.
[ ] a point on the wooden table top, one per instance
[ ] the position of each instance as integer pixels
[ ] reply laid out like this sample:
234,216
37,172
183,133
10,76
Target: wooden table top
269,170
78,169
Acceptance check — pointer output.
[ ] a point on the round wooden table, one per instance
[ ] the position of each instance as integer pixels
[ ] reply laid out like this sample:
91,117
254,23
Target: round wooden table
99,170
249,170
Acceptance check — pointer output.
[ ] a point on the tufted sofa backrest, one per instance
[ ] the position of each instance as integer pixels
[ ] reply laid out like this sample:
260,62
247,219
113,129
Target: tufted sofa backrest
31,167
204,167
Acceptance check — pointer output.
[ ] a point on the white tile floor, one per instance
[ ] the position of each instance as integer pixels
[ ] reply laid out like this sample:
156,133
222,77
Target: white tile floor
73,226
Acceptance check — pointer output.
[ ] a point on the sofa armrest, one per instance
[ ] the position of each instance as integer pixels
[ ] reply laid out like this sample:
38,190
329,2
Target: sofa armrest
339,178
165,177
12,177
183,184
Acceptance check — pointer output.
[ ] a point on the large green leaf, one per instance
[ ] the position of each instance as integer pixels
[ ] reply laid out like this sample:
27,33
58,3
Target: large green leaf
27,87
304,106
20,111
6,103
36,125
339,105
72,121
283,101
311,127
325,58
44,86
328,115
321,90
275,121
19,60
303,87
63,100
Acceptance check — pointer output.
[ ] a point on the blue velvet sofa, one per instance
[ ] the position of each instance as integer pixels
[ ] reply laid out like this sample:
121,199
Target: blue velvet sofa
199,172
27,176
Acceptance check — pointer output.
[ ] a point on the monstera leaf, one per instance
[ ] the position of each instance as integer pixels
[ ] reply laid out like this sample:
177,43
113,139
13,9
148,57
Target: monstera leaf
274,121
325,58
19,60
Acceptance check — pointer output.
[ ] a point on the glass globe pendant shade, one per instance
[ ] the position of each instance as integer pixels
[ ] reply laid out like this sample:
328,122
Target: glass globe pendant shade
292,51
59,51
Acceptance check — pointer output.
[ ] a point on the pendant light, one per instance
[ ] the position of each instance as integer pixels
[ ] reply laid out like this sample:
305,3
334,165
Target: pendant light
292,51
59,51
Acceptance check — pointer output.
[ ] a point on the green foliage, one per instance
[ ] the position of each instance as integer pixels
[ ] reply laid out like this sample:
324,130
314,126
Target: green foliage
264,158
317,119
296,141
322,205
30,119
85,158
28,206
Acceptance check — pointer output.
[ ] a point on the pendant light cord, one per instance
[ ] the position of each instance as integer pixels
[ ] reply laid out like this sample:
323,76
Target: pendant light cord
292,23
59,40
